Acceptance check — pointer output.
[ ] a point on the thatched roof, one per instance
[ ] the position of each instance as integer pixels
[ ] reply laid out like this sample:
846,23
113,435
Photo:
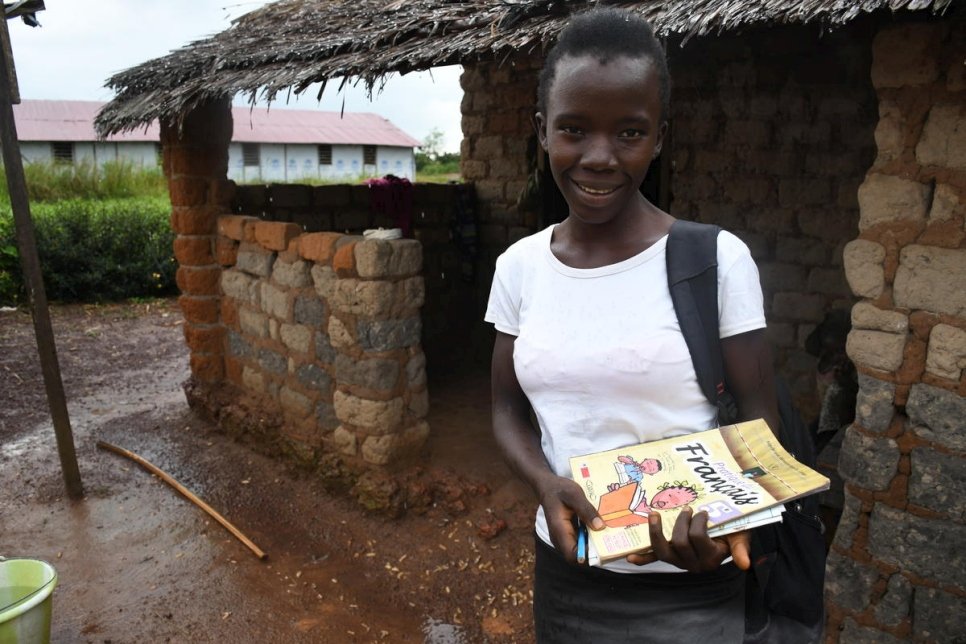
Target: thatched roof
291,44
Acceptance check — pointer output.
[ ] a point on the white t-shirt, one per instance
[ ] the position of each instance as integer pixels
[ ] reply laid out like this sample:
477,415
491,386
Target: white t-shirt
599,352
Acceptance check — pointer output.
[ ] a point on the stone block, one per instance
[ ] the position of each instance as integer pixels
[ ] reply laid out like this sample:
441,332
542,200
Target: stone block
848,583
378,417
932,279
253,323
798,192
798,307
875,349
344,441
937,415
868,316
943,140
324,352
292,274
371,373
864,269
416,370
386,335
894,606
255,260
233,226
801,250
272,361
906,55
870,462
339,334
930,548
946,357
318,247
874,404
325,281
419,403
275,301
226,251
936,482
253,380
828,281
398,258
344,261
325,416
296,337
312,376
947,203
378,299
308,310
938,616
238,346
383,450
885,198
239,285
890,131
295,403
275,235
780,276
852,633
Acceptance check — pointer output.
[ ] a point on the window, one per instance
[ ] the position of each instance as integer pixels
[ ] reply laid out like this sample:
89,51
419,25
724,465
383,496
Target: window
250,155
325,155
368,155
63,151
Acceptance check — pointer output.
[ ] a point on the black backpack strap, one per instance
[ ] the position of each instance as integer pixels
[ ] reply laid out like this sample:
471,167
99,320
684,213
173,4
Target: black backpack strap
692,275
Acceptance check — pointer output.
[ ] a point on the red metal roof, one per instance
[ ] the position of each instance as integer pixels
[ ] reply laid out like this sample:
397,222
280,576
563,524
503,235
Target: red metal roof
74,121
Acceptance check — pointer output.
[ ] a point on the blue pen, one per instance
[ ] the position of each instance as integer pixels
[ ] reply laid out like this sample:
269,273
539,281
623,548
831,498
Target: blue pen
581,542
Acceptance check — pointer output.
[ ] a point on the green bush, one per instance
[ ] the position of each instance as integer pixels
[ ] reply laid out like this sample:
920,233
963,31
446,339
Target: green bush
94,250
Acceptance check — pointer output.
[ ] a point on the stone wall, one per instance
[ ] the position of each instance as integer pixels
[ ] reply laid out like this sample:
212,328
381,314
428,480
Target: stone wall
771,141
896,570
325,328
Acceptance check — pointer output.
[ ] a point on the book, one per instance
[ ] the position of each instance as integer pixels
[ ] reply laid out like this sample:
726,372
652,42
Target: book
739,474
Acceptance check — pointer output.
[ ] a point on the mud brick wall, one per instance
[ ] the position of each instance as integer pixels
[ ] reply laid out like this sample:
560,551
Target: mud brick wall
326,326
771,142
897,571
448,240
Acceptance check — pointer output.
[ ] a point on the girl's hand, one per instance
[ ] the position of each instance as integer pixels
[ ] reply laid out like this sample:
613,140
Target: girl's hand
562,500
690,546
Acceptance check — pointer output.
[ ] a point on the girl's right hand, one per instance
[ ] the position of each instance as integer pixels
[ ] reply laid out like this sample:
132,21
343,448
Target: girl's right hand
562,501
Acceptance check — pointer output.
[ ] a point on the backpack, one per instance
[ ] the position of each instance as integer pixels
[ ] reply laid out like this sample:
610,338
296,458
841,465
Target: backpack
788,558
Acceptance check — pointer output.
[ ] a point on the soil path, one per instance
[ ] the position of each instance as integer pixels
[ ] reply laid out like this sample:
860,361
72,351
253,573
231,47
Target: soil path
137,562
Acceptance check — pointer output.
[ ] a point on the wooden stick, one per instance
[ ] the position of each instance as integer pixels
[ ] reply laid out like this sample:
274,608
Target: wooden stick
167,478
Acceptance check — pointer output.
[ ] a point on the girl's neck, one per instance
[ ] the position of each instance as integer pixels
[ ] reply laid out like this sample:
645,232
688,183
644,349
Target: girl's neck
581,245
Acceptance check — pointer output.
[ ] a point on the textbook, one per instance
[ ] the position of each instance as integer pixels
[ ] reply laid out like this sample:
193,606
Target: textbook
740,474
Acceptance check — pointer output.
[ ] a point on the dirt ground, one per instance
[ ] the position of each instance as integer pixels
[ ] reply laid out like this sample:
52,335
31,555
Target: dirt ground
137,562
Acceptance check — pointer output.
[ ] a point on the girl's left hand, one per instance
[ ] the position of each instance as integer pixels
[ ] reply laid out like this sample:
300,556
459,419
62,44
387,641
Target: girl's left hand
690,546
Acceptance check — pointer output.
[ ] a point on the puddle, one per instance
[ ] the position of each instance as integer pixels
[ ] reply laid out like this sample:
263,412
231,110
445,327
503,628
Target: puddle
439,632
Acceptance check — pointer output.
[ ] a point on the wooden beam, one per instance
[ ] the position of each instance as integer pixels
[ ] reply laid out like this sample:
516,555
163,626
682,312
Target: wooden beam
30,263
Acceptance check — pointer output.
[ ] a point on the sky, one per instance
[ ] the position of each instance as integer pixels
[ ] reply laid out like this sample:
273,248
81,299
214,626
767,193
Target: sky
80,44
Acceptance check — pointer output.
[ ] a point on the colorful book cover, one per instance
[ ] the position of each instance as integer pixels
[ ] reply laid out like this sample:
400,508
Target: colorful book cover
737,473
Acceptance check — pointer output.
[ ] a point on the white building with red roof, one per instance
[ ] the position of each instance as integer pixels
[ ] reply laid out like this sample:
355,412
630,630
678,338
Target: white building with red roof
276,145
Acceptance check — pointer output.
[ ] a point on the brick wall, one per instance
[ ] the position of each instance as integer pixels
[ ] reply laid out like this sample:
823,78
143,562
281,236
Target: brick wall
325,328
896,570
772,132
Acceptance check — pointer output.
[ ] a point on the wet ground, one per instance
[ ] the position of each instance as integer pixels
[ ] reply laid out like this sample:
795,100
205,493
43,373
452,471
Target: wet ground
138,563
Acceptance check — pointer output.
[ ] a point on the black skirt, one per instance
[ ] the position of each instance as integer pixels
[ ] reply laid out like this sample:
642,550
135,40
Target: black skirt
580,604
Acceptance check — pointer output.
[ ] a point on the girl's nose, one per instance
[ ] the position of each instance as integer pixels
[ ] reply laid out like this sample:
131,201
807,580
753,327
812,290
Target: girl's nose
599,153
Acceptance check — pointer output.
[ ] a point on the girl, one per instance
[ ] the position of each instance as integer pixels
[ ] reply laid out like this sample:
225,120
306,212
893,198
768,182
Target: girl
588,339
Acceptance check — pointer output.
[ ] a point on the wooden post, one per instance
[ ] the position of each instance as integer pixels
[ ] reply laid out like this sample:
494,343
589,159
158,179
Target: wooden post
30,263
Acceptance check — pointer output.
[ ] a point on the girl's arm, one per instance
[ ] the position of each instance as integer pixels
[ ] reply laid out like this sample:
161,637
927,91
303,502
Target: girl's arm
561,498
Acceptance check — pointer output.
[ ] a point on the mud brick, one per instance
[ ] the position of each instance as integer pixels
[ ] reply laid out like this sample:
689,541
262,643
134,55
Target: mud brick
188,191
221,192
344,261
193,250
233,226
251,199
282,195
319,247
229,313
198,161
198,220
204,309
226,251
207,367
203,280
351,220
204,338
233,370
360,195
275,235
331,196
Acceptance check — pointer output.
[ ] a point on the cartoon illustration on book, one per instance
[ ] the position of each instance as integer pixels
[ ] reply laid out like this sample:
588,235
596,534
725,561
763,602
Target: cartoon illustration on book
625,503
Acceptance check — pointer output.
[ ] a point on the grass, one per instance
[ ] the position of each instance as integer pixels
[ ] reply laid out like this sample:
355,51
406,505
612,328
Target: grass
50,182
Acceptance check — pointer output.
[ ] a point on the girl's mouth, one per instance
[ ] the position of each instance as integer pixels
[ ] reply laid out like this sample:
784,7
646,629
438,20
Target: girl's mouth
594,191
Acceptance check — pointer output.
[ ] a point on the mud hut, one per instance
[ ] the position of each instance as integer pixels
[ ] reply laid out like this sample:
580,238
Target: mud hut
830,136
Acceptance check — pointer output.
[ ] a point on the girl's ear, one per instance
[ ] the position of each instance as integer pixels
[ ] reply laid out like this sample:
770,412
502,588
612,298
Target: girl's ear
540,126
660,139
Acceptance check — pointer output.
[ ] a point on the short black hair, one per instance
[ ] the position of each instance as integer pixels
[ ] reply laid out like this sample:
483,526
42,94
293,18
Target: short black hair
606,33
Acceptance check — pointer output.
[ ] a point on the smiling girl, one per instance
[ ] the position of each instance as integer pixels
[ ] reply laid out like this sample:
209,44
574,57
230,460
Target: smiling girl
587,339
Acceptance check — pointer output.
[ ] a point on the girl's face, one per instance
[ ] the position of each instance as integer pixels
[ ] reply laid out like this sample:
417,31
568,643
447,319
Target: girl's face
602,128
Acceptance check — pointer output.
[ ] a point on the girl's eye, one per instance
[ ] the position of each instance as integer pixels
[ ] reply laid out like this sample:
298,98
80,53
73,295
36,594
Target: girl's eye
633,134
570,129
